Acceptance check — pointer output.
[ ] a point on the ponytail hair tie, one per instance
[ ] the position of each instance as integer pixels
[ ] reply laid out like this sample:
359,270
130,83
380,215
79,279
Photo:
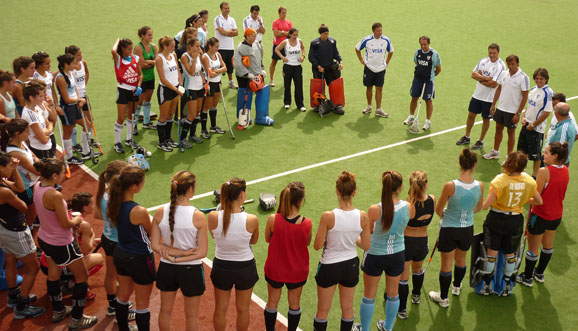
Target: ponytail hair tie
175,182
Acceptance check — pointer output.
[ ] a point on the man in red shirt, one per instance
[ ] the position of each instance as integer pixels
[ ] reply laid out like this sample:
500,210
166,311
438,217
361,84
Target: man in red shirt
281,27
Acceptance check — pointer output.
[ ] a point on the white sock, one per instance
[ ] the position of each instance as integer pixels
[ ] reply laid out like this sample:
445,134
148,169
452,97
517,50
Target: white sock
84,142
68,148
117,132
128,129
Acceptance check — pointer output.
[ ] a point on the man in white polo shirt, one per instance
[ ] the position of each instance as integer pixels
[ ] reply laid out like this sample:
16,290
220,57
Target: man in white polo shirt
484,73
376,47
255,22
512,91
225,30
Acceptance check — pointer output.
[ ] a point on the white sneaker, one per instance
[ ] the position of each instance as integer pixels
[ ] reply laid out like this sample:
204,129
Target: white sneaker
493,154
436,297
367,109
286,106
303,109
408,120
379,112
271,83
233,85
427,125
456,290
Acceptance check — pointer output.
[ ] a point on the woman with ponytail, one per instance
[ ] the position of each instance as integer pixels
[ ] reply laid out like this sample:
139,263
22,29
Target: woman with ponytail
179,235
288,234
148,51
109,237
56,239
169,91
386,251
133,257
552,183
24,68
463,197
71,105
234,232
129,76
340,231
415,238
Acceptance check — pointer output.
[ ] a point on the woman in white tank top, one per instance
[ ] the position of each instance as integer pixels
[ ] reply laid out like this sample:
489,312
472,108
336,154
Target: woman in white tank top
234,265
179,235
7,104
42,62
214,62
340,230
40,128
292,70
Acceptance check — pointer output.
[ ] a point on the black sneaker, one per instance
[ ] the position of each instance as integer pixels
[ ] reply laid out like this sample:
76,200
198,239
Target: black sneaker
75,160
131,143
205,134
118,148
463,141
196,139
478,145
216,129
28,311
13,302
149,126
164,147
77,148
86,156
339,110
172,143
185,144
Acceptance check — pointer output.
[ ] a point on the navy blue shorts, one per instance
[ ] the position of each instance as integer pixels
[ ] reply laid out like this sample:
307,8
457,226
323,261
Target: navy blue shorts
392,264
480,107
71,114
417,86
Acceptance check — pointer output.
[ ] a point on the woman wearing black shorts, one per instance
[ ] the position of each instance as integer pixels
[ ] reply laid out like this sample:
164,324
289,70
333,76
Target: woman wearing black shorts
56,239
133,257
340,231
16,241
148,52
415,237
234,265
216,67
179,235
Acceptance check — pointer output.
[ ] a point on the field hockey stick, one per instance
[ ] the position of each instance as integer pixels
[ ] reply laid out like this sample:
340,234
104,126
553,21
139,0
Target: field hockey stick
92,123
179,128
225,110
434,249
63,148
524,238
414,127
132,142
93,157
243,110
208,210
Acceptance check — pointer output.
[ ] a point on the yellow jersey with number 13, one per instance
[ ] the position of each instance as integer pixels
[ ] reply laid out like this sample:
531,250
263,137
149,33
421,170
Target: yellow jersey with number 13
512,192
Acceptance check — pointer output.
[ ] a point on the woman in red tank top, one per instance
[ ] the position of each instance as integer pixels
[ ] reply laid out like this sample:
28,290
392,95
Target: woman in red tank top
288,235
544,219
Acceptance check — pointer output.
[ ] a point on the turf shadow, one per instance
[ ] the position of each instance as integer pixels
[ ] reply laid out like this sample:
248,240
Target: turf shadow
487,308
365,126
313,122
539,313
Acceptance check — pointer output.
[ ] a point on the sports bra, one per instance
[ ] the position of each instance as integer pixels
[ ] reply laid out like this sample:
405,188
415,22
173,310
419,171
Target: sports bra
421,209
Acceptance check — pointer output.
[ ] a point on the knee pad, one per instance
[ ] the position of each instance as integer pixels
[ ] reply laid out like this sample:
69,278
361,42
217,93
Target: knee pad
336,92
316,85
490,264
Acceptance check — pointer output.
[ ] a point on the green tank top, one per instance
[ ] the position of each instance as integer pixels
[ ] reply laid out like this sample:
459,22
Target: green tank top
148,73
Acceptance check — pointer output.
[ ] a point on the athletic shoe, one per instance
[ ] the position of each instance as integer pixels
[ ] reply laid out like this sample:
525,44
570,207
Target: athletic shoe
507,289
185,144
111,311
13,302
205,134
367,109
149,126
463,141
131,143
118,148
415,298
426,125
538,277
58,316
486,290
286,106
164,147
493,154
381,325
271,83
379,112
356,327
85,156
408,120
478,145
196,139
75,160
456,290
28,311
339,110
402,314
172,143
135,130
77,148
132,327
93,143
528,282
436,297
303,109
233,85
83,323
216,129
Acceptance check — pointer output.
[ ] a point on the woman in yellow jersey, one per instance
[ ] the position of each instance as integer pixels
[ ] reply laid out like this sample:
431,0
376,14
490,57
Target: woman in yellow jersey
509,192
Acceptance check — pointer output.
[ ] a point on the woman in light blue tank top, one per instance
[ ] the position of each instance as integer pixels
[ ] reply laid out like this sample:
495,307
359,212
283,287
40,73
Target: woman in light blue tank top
464,198
386,252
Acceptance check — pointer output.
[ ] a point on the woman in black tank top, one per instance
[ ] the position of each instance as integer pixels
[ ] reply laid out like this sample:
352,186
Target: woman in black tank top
416,246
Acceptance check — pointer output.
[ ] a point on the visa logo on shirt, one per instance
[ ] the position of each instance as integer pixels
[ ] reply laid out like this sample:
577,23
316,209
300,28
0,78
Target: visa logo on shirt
422,63
377,51
173,68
